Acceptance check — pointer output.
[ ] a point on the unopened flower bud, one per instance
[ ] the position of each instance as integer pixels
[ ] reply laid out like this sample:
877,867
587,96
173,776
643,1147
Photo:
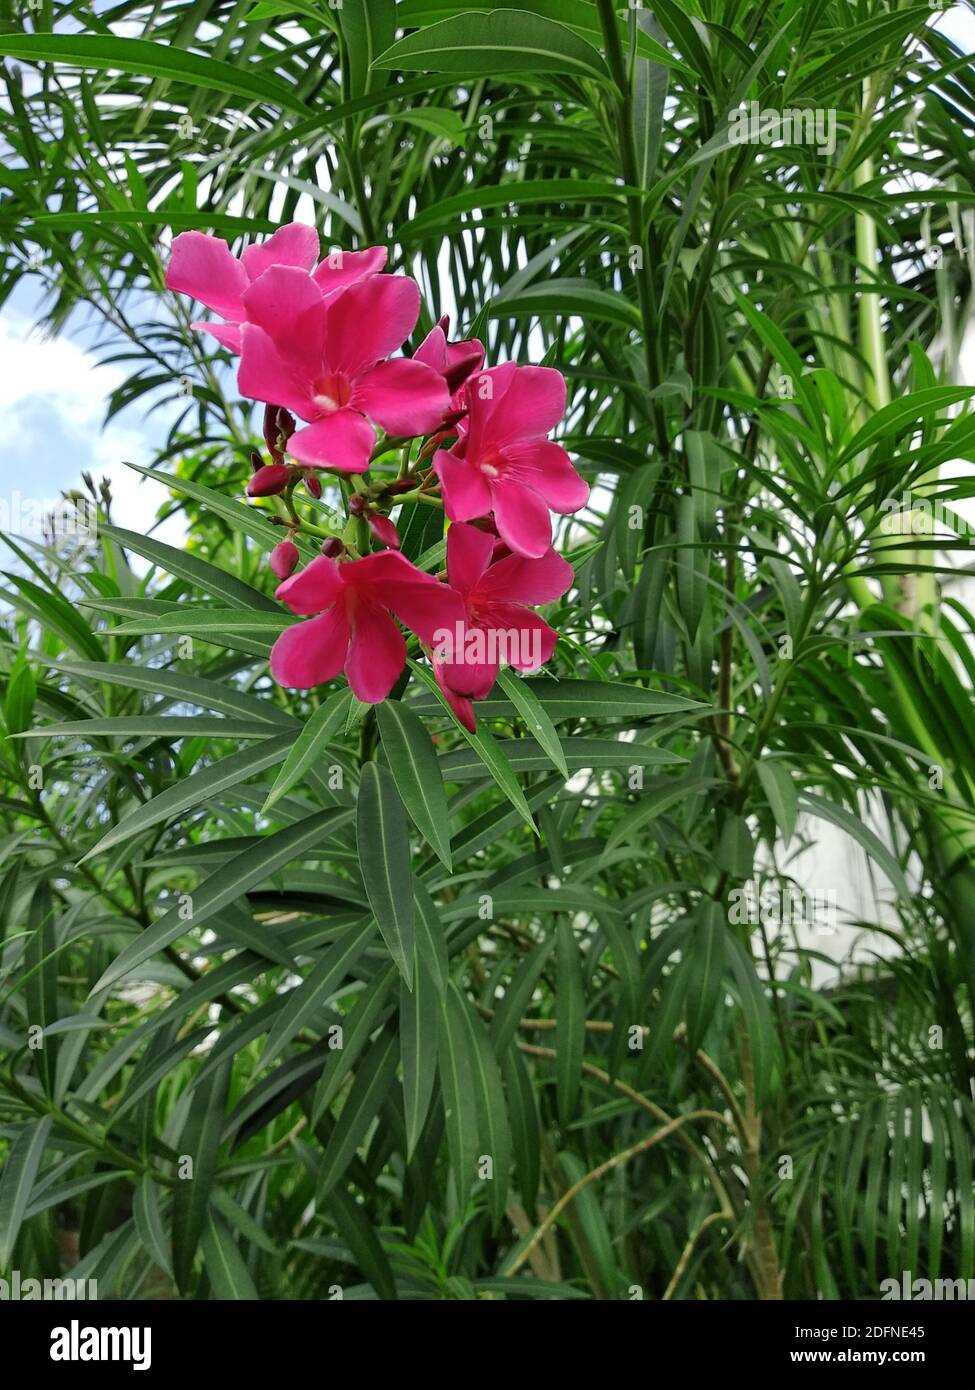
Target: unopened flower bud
283,559
313,485
269,480
383,529
357,504
333,547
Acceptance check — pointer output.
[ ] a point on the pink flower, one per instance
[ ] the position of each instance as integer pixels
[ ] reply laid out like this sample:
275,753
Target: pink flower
324,360
269,480
204,267
462,707
354,631
498,626
505,464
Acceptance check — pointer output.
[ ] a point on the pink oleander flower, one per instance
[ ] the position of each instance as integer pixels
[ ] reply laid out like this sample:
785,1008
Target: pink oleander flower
504,463
498,626
205,268
354,630
324,360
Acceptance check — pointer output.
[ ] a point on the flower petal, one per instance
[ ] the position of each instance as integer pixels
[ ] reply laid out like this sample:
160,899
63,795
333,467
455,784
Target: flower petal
369,321
518,580
286,304
342,441
465,492
433,349
227,334
311,653
205,267
546,467
461,706
483,393
403,397
533,404
421,603
469,552
522,518
340,269
377,653
530,640
294,244
472,668
264,375
312,589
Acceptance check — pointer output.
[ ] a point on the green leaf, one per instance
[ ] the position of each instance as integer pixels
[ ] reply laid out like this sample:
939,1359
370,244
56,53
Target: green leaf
152,60
415,770
419,1023
818,806
532,711
200,1143
705,967
149,1224
570,1021
383,840
373,1078
780,792
17,1180
228,1274
460,1107
503,41
311,743
307,1000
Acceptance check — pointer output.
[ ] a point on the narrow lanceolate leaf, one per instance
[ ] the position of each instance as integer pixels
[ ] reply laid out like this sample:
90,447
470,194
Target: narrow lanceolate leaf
383,840
41,988
229,882
570,1022
415,770
186,565
706,967
152,60
493,1157
16,1181
828,810
419,1024
228,1274
217,696
431,943
197,1149
310,745
781,795
373,1078
487,751
532,711
460,1109
517,997
149,1224
503,41
193,791
306,1001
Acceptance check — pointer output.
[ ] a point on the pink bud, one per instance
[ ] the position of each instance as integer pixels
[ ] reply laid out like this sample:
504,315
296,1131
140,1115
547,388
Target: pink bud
333,547
384,530
283,558
313,485
269,480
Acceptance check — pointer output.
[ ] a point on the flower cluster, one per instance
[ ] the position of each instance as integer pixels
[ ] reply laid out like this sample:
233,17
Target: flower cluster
316,341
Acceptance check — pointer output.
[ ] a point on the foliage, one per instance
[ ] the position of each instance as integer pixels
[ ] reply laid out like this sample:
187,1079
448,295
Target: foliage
761,345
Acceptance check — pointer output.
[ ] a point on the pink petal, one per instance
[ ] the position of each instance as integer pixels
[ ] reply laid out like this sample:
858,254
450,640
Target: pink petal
462,707
546,467
340,269
461,361
283,559
469,552
519,580
228,334
369,321
294,244
312,589
264,375
342,441
533,404
311,653
377,654
483,394
433,350
533,641
403,397
286,304
463,673
420,602
522,518
204,266
465,492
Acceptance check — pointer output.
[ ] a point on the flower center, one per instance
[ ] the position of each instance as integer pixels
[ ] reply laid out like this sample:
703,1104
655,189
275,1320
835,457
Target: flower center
492,463
332,392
